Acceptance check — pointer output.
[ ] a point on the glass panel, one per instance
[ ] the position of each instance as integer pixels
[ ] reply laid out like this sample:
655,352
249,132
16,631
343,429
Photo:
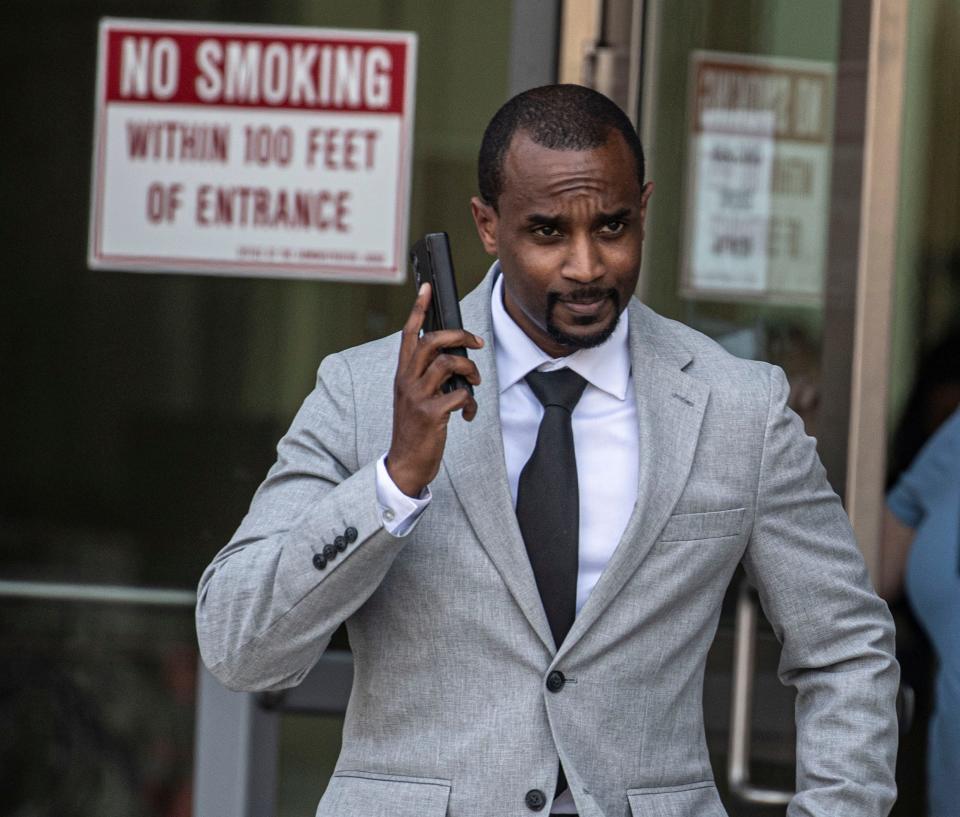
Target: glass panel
740,154
739,139
925,381
141,411
309,745
97,705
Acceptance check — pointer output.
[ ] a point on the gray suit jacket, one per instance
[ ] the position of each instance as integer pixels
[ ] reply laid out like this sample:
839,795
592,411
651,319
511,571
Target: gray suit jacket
449,713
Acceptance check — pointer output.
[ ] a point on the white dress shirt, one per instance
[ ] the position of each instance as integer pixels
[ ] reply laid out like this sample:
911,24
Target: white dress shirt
604,437
604,431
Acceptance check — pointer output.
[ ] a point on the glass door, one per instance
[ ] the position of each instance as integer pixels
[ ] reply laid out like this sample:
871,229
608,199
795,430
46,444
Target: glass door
140,412
774,153
737,248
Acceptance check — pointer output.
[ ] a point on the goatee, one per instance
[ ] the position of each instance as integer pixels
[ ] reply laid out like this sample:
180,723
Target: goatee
590,340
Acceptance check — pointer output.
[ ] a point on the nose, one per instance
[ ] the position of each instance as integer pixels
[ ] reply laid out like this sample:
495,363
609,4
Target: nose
583,263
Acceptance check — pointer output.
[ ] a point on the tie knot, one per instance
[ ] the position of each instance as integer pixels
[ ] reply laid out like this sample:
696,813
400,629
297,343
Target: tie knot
562,387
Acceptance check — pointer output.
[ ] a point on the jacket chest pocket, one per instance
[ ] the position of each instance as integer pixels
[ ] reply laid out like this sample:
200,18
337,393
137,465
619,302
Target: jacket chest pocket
689,527
367,794
692,800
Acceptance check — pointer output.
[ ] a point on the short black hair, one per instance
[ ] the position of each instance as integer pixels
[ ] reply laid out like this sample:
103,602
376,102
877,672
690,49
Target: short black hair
559,117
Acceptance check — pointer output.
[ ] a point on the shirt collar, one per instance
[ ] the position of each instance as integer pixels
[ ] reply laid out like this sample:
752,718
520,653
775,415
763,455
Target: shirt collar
606,366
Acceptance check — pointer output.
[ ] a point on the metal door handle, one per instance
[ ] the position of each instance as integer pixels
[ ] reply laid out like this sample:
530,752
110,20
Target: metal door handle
741,705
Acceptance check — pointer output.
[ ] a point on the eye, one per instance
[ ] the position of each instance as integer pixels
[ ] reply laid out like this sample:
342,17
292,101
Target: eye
546,231
614,227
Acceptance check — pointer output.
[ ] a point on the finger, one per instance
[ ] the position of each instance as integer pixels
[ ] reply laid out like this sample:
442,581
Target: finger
410,335
443,367
433,344
448,338
470,409
455,401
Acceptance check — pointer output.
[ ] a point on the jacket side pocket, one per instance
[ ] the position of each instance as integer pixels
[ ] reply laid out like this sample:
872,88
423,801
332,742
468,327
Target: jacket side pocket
369,794
690,800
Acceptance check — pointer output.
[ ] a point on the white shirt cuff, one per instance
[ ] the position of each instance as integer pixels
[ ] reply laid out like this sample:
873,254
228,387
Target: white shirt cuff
398,512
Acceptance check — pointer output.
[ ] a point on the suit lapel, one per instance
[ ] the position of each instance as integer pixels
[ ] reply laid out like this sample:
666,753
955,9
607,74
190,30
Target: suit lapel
670,407
474,461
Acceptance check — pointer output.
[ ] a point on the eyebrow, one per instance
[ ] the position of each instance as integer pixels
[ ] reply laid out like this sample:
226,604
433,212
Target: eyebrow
559,221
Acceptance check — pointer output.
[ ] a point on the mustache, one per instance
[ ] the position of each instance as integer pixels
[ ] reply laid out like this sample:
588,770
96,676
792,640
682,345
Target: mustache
583,295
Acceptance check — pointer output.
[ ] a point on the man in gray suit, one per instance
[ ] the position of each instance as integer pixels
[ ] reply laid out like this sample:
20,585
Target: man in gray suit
531,578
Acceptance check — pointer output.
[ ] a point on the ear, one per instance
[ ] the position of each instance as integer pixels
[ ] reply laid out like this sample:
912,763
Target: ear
487,221
645,194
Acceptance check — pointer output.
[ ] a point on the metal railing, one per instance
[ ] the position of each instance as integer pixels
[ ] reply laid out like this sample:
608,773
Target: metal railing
101,593
741,705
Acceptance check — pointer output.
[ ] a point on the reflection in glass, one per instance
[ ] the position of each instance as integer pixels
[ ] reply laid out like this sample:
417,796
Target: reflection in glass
96,704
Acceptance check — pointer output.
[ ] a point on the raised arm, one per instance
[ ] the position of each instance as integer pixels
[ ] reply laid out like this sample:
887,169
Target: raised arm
313,546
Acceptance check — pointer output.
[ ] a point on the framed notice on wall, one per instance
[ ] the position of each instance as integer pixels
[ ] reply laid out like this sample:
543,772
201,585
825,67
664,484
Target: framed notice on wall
252,150
758,175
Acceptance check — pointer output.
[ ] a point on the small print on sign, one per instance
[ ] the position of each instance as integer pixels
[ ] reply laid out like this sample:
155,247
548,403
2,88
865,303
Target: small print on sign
252,150
732,207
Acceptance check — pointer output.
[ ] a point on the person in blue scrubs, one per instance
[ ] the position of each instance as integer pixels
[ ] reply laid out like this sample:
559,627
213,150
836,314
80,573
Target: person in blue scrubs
922,555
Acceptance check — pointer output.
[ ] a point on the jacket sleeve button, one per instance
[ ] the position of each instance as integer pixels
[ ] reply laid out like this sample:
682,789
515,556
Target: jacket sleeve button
350,534
340,543
535,800
319,561
329,552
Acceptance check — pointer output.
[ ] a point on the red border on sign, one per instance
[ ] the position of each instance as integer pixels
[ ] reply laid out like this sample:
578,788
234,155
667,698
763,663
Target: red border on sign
226,267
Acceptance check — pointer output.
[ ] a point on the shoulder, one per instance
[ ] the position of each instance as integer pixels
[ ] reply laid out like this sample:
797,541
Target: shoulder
344,376
701,357
938,462
382,351
377,359
948,435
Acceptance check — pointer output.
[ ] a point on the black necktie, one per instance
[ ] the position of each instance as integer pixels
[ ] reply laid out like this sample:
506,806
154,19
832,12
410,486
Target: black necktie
548,499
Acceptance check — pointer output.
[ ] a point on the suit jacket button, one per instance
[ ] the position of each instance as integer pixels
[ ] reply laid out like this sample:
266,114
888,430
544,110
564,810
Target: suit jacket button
350,534
555,681
535,800
319,561
329,552
340,543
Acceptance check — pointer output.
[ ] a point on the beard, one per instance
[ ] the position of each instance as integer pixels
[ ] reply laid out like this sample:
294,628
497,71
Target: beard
590,339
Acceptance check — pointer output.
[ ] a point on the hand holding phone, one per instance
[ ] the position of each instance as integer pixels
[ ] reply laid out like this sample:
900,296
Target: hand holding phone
435,378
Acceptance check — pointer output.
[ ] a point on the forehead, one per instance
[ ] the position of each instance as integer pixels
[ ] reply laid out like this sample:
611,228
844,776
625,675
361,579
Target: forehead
534,173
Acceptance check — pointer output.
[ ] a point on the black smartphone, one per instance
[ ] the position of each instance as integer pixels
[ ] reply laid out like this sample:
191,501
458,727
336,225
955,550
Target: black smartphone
433,264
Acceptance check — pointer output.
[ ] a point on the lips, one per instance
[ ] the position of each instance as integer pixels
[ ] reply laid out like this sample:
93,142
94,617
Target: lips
587,303
586,307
